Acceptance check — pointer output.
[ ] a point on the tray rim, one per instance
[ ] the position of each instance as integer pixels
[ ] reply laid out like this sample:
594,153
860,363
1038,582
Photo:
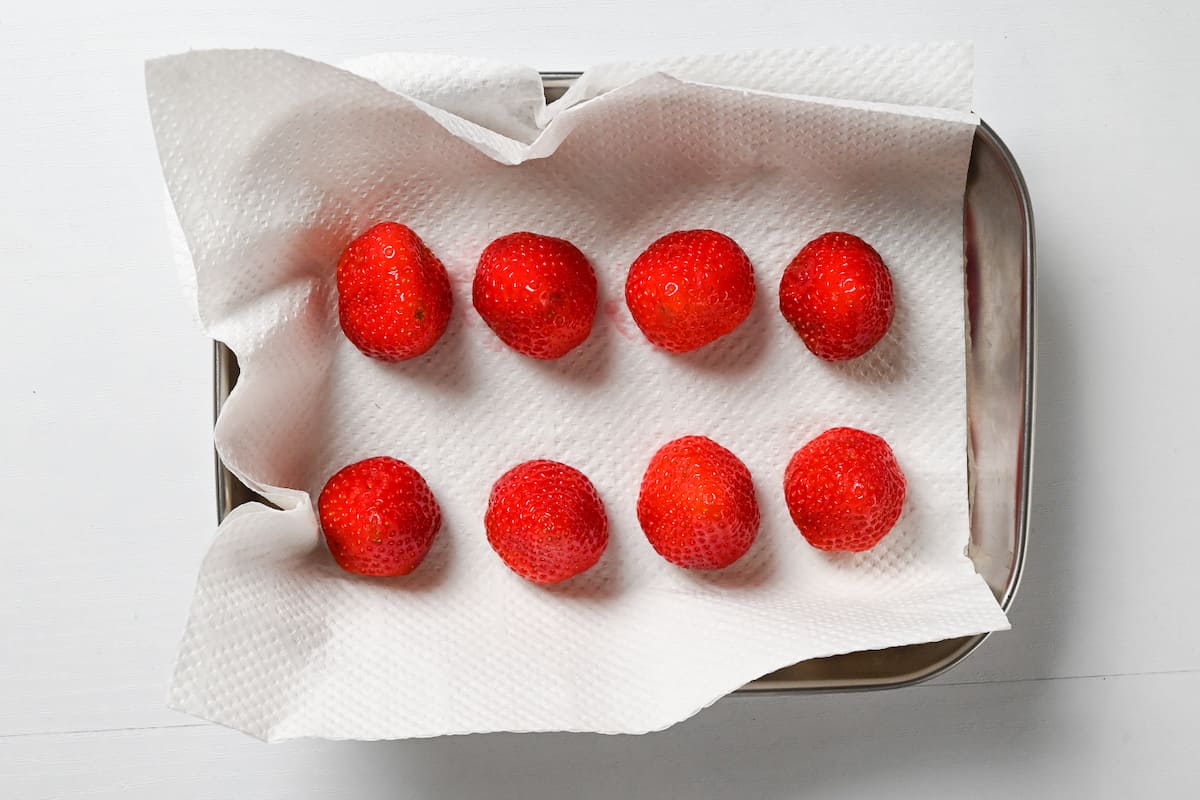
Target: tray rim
225,373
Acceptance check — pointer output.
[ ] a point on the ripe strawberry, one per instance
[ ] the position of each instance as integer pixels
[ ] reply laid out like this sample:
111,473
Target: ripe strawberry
379,517
394,297
537,293
844,490
545,520
837,294
690,288
697,504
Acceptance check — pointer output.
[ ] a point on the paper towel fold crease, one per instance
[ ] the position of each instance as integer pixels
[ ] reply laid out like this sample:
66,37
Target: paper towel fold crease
274,163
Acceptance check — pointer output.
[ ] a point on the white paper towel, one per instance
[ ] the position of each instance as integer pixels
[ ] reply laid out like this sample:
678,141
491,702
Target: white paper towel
274,163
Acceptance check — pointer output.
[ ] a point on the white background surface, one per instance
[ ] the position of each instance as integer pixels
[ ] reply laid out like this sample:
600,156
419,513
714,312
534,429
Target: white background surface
106,482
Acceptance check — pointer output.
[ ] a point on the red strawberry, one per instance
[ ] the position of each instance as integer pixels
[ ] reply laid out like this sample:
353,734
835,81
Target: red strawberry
379,517
837,294
697,504
537,293
844,490
545,520
690,288
394,296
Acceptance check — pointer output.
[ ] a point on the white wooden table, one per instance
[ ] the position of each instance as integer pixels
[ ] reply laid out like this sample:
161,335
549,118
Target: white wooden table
106,489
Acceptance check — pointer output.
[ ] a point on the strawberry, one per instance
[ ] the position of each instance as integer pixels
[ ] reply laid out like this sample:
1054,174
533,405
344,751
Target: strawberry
379,517
690,288
844,490
537,293
837,294
394,297
546,522
697,504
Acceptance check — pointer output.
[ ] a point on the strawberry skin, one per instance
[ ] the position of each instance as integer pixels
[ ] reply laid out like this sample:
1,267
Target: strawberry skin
379,517
697,505
844,490
690,288
546,521
394,298
837,294
537,293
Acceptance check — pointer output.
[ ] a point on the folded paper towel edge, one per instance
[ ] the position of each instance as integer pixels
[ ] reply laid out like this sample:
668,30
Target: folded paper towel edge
475,80
512,151
959,95
287,728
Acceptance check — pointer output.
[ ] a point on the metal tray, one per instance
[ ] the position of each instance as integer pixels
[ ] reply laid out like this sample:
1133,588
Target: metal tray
1001,356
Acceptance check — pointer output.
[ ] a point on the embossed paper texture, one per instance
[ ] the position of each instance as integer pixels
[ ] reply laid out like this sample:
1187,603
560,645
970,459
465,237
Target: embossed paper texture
274,163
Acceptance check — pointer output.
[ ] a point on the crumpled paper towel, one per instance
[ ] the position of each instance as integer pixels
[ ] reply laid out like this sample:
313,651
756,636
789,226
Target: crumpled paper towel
274,163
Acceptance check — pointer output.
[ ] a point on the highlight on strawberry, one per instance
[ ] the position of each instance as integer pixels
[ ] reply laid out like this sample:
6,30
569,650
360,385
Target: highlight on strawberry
546,521
537,293
379,517
837,294
697,505
394,298
845,490
690,288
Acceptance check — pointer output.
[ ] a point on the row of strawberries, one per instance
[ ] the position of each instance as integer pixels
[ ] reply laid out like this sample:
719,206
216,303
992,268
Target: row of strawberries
538,293
546,521
697,505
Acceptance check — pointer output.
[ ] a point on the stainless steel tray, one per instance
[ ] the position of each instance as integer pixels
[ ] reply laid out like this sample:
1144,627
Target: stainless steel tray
1000,293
